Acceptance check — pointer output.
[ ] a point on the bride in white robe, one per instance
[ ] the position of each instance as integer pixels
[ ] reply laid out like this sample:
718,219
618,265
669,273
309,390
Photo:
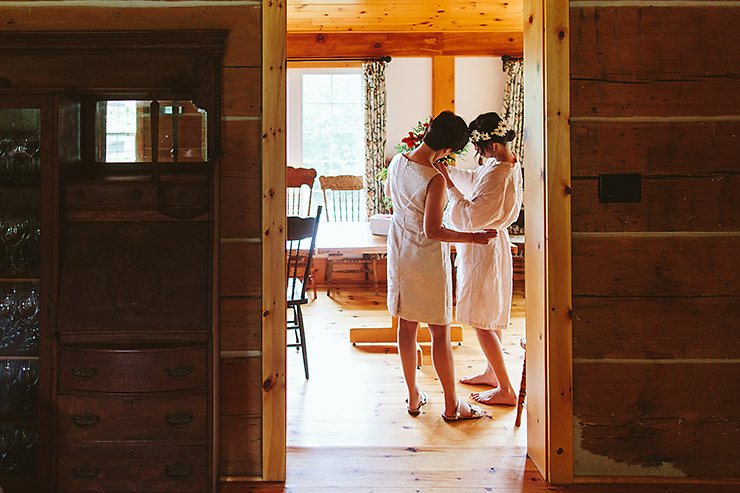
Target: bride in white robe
488,197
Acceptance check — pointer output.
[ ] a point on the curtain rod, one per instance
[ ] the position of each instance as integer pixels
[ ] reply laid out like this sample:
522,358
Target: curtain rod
380,59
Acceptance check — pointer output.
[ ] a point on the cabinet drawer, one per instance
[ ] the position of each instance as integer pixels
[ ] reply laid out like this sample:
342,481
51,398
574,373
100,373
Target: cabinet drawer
132,370
122,467
113,195
130,418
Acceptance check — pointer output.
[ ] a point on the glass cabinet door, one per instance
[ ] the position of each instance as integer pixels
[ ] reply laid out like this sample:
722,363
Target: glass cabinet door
20,248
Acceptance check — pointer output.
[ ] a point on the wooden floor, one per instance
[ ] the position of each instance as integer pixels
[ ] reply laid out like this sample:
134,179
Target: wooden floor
348,430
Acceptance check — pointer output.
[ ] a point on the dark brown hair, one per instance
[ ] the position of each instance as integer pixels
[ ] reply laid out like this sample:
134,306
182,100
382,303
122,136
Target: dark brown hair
447,131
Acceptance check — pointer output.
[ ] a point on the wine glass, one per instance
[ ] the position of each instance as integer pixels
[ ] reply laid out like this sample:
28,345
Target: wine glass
6,456
27,450
28,378
7,377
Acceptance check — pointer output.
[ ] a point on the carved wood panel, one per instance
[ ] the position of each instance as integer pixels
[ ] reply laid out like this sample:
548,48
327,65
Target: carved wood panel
135,276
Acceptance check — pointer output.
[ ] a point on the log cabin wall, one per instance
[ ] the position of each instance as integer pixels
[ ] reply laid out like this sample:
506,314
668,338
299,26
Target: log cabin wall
239,188
656,375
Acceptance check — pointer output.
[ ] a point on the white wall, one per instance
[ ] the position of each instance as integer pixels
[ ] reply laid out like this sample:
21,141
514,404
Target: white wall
408,85
479,88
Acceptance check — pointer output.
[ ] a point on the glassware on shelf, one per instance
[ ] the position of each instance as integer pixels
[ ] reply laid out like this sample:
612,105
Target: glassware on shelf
19,319
20,163
28,379
19,247
7,383
18,450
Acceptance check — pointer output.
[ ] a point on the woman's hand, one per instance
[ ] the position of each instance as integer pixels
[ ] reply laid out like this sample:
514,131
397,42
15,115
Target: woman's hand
441,166
483,237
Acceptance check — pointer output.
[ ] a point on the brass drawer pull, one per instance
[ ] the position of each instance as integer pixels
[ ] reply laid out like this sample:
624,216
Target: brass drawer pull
179,419
86,420
86,471
178,471
180,371
84,372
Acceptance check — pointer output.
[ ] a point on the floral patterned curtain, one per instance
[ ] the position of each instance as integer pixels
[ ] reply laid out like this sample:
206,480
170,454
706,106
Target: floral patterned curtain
514,101
375,124
514,117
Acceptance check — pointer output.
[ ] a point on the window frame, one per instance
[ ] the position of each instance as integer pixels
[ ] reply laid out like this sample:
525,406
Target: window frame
294,107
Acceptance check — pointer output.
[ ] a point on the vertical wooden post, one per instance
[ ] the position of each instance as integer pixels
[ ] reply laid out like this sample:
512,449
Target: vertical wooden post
273,241
547,236
443,84
558,218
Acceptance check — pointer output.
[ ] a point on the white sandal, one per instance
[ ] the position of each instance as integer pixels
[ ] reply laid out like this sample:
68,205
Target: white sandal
475,413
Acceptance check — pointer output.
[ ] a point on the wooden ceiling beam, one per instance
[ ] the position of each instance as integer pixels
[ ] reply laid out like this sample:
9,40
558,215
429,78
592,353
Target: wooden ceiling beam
338,45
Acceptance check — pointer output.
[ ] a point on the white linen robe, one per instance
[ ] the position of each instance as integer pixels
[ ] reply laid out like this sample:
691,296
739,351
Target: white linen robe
419,269
488,197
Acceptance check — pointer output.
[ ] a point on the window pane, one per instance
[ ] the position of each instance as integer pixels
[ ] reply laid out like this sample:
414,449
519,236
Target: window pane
346,88
317,88
317,117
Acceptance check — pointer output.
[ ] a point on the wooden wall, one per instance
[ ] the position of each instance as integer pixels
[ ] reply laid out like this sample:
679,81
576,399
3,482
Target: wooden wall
239,231
656,374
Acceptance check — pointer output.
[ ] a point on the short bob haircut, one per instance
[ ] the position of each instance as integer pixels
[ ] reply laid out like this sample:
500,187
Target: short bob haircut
447,131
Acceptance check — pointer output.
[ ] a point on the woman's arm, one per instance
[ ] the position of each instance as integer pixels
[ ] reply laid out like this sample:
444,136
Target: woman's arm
487,206
433,211
463,179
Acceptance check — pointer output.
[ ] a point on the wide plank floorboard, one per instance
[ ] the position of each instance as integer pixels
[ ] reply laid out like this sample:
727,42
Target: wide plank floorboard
348,430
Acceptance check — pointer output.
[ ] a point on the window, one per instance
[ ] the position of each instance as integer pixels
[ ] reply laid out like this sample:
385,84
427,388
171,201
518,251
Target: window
120,131
326,122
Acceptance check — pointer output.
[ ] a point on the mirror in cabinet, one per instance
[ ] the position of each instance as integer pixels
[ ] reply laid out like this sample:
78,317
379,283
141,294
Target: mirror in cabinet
22,163
123,131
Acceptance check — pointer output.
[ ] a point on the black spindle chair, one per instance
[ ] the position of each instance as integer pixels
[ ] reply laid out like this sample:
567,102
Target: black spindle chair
300,245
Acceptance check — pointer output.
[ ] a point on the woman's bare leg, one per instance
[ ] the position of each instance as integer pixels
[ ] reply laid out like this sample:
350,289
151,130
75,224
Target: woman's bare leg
407,351
486,377
444,366
490,343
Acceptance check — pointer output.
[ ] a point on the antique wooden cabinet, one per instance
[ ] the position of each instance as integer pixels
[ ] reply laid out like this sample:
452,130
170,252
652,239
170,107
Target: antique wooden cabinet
109,144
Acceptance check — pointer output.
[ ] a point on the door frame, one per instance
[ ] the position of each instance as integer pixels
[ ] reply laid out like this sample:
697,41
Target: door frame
547,240
548,287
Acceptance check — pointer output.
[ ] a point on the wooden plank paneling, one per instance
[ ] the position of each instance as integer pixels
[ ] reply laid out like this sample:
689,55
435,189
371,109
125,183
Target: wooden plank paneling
697,203
240,446
656,148
668,419
240,268
242,91
330,45
655,264
656,327
615,41
240,387
240,202
404,15
629,97
241,190
241,324
242,21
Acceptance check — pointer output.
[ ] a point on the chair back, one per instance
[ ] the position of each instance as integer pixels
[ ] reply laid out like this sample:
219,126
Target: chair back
343,197
298,186
300,246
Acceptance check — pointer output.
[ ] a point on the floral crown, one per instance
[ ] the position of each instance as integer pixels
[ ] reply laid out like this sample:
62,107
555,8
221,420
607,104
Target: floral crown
500,131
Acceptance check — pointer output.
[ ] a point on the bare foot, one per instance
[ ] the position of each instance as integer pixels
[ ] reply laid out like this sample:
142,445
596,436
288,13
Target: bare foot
481,379
496,397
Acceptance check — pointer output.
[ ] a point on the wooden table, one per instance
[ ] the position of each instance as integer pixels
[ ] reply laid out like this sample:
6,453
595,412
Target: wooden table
354,238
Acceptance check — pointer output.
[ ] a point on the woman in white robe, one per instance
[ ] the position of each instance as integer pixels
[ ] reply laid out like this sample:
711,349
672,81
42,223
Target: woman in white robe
489,197
419,277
